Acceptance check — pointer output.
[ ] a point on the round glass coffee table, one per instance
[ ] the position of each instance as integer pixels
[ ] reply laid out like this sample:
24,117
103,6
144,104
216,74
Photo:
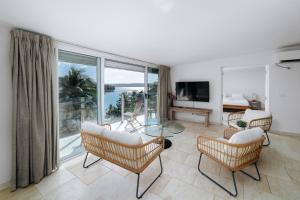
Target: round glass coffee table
156,128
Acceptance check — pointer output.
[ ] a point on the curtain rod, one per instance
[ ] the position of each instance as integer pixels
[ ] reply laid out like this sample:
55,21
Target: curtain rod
30,31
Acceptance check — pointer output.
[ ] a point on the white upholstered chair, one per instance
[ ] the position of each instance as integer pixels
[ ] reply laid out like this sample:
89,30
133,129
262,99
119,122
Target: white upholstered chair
254,118
240,151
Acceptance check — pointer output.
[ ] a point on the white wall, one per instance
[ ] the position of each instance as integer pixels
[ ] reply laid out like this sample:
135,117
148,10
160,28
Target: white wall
284,103
285,98
246,81
5,106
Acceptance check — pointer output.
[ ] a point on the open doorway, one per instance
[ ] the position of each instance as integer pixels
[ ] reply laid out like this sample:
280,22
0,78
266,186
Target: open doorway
244,88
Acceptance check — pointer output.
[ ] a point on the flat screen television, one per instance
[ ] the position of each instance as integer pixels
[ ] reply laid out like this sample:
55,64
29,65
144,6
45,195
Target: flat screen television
192,91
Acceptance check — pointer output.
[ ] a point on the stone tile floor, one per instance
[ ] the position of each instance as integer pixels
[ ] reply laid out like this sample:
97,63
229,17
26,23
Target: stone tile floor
279,166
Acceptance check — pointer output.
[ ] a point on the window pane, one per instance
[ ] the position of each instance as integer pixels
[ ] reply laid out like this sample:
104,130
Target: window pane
118,83
77,100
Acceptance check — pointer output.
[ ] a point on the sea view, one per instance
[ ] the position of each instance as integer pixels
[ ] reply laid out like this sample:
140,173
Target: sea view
112,97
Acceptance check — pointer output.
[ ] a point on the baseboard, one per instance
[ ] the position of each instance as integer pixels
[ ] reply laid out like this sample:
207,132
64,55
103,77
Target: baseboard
285,133
4,186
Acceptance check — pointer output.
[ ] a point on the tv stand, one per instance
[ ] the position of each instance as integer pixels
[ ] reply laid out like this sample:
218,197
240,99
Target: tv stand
200,111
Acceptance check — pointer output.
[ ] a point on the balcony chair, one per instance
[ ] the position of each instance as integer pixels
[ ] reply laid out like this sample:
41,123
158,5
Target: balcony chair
242,150
131,117
254,118
121,148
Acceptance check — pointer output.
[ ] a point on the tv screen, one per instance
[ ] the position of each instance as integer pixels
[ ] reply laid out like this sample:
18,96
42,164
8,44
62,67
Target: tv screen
192,91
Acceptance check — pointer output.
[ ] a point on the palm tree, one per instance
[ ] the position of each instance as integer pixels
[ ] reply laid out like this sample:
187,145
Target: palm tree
75,85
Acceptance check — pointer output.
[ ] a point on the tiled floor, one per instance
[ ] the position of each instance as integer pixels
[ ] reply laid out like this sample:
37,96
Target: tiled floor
279,166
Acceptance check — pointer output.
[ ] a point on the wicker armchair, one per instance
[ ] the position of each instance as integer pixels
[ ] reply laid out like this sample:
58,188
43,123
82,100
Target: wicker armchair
234,157
134,158
264,123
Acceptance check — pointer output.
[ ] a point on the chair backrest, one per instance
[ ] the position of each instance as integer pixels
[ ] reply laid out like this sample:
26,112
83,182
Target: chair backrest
137,108
134,157
255,114
246,136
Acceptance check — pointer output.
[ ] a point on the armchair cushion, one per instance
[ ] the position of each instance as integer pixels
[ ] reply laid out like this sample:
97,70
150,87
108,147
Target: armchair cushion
246,136
255,114
123,137
92,128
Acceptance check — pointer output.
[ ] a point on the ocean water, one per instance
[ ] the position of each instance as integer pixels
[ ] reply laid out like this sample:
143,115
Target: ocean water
113,97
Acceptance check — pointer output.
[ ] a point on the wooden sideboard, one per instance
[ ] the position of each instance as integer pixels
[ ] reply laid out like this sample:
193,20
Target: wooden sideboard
200,111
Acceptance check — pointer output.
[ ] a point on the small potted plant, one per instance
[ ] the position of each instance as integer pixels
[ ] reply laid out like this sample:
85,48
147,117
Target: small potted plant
171,97
241,123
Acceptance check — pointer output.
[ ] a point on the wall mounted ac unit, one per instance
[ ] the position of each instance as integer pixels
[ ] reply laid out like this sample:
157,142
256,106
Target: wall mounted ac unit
286,57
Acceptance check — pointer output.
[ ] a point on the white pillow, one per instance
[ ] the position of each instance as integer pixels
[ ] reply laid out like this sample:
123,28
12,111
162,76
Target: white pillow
92,128
246,136
254,114
123,137
237,95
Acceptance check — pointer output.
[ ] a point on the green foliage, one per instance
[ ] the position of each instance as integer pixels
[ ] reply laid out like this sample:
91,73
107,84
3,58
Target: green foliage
130,99
241,123
75,85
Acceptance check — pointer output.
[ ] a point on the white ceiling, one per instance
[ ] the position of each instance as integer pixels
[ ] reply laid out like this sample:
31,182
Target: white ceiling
167,32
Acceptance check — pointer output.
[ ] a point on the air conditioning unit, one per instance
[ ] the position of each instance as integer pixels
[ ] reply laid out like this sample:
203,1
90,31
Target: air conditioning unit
287,57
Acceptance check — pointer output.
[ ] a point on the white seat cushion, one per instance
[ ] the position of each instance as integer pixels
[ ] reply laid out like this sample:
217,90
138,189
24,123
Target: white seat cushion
123,137
254,114
246,136
90,127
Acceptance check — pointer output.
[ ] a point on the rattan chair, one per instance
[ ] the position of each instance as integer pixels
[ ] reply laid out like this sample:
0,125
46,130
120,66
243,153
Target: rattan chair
264,123
234,157
134,158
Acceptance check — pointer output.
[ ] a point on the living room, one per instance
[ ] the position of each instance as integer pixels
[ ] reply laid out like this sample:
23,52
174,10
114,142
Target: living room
111,100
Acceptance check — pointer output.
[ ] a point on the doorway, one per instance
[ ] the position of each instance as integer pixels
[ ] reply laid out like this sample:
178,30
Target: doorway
244,88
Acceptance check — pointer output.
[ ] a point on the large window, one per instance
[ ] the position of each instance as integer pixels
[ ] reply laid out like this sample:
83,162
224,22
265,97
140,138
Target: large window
77,99
125,87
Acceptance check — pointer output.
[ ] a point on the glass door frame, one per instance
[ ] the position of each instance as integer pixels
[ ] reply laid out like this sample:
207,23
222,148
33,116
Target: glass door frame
101,57
146,95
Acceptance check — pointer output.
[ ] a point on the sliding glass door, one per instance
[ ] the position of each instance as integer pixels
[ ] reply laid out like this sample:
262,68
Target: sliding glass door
77,99
123,91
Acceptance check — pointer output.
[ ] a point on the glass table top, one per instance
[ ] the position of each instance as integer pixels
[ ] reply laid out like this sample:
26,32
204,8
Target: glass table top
165,128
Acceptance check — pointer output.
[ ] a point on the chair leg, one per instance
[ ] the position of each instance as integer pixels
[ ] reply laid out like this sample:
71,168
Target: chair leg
218,184
138,181
254,178
269,142
137,121
87,166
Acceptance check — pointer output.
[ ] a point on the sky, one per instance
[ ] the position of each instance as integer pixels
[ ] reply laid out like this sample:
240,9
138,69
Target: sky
110,75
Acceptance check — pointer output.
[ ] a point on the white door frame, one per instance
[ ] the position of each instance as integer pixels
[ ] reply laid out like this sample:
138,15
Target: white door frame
267,85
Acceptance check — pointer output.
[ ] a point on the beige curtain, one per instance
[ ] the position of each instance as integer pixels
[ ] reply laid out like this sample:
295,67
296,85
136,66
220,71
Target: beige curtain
163,90
34,136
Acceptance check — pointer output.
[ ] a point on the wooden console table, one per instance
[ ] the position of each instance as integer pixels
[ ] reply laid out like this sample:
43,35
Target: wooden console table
200,111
